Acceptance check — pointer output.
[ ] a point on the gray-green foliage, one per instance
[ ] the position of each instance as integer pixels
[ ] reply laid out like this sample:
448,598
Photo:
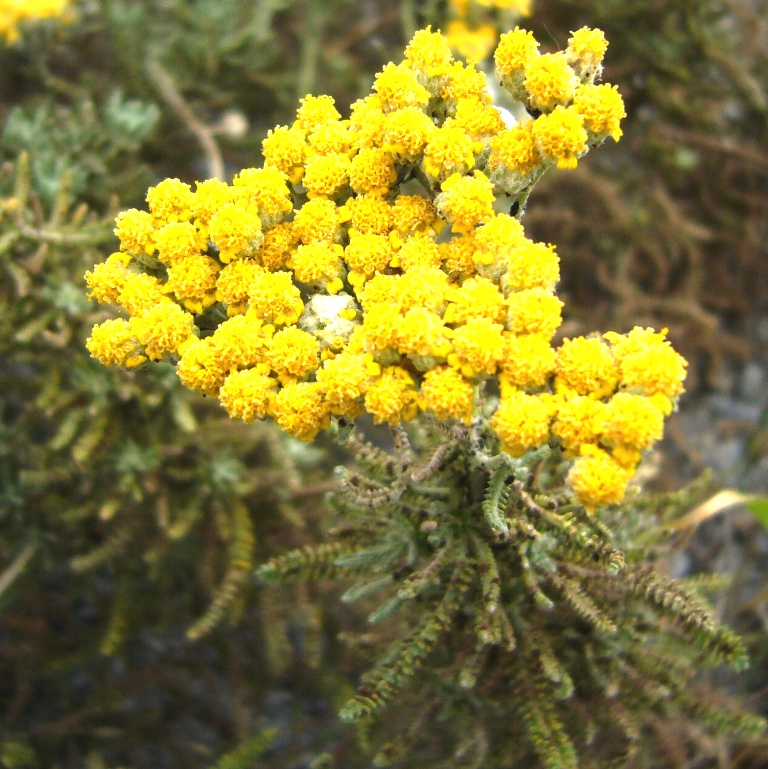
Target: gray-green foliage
503,596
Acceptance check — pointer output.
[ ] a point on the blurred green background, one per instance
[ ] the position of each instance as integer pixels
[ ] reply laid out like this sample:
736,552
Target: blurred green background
132,513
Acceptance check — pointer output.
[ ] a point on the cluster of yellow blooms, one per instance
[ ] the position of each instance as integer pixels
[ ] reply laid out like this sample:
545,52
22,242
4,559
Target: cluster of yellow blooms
14,12
364,268
474,29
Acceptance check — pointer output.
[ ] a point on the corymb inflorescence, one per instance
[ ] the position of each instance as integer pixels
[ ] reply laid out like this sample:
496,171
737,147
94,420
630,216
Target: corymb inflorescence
365,268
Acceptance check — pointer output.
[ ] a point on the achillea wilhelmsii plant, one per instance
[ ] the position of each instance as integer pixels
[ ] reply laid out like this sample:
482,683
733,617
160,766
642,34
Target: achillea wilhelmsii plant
365,268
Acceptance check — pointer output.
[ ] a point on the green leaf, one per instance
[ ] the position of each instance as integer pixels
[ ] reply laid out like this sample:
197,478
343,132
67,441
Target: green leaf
758,506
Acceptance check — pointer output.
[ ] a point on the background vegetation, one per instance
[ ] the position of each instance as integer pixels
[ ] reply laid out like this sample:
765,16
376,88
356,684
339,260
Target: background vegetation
132,514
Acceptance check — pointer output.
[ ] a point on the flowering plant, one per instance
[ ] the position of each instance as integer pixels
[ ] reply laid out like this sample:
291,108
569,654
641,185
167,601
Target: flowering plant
367,268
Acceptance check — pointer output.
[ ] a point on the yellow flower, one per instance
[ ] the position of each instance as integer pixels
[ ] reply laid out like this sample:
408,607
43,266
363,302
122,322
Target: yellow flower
135,229
421,286
162,329
598,479
423,333
171,201
317,220
392,398
466,201
579,421
113,343
495,242
449,151
632,421
381,325
366,255
199,367
458,255
561,136
276,247
406,133
527,360
331,137
286,149
465,81
471,43
275,299
193,282
586,367
178,240
534,311
346,378
532,265
550,81
246,394
446,394
140,292
108,278
419,250
412,214
586,49
475,298
522,422
366,122
602,109
299,408
293,354
326,175
429,54
319,265
372,171
314,112
478,346
369,215
209,197
515,150
515,51
233,282
241,342
398,87
480,120
267,189
236,232
648,363
380,288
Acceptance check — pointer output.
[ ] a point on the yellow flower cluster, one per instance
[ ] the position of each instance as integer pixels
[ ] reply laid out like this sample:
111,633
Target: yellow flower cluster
15,12
318,286
473,30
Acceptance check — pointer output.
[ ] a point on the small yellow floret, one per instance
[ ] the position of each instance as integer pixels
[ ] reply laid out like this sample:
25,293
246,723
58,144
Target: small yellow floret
602,108
162,329
372,171
632,421
140,292
286,149
429,54
193,282
178,240
315,111
421,286
515,50
586,49
447,394
586,367
108,278
246,394
113,343
275,299
233,282
241,342
532,265
171,201
419,250
199,368
276,247
317,220
267,189
392,398
466,201
598,479
465,81
326,175
345,379
398,87
412,213
561,136
209,197
423,333
579,421
317,263
135,229
534,311
527,360
366,255
294,354
476,298
366,122
522,422
449,151
370,215
479,120
406,133
299,408
331,137
478,346
515,150
235,231
550,81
